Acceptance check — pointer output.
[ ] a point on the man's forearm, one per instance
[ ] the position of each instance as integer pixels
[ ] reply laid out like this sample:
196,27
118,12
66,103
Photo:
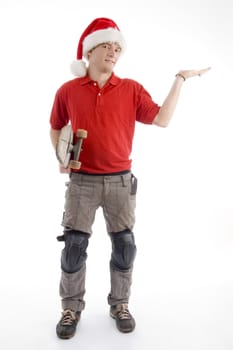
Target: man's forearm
168,107
54,135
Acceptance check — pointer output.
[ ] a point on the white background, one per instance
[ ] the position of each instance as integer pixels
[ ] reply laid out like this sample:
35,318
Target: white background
182,296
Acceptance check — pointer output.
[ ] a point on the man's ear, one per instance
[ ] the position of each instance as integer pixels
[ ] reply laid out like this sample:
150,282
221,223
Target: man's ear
89,53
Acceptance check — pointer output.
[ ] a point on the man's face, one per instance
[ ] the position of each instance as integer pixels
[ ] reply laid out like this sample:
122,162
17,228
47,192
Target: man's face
104,57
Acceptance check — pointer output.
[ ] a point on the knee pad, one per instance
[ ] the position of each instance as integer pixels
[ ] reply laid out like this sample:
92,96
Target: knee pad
123,250
74,254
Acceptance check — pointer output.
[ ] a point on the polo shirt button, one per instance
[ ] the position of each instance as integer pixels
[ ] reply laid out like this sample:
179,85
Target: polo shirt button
99,94
95,84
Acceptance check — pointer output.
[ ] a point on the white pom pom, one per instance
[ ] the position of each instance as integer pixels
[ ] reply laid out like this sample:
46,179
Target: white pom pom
78,68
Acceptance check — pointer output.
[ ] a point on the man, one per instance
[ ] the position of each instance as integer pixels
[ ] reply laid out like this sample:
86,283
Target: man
107,107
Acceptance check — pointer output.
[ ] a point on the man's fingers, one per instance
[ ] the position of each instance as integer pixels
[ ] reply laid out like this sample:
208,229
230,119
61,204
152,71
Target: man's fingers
203,71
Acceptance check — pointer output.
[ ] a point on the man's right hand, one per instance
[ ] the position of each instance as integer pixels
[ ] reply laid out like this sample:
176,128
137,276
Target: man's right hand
64,170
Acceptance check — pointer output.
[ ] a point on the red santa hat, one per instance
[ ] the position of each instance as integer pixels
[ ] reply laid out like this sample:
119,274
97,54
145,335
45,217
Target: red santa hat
99,31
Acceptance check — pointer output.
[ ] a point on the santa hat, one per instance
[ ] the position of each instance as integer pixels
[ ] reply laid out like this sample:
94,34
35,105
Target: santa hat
99,31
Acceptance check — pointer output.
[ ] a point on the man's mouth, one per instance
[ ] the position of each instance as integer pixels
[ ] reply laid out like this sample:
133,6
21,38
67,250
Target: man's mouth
110,61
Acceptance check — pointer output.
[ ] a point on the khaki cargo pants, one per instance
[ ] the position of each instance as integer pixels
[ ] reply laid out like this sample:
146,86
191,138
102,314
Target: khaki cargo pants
116,194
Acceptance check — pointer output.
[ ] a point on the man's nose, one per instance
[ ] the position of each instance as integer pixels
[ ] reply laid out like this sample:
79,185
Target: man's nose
111,51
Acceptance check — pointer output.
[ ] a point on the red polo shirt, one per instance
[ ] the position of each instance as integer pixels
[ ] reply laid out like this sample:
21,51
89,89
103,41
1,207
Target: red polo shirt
108,114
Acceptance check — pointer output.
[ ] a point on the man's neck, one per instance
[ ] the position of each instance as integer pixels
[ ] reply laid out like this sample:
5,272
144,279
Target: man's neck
100,78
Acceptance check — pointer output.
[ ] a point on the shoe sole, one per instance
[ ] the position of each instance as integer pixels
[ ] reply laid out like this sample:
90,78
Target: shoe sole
65,337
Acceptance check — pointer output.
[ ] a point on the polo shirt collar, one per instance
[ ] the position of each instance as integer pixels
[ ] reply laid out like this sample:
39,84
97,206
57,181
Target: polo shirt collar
114,80
85,80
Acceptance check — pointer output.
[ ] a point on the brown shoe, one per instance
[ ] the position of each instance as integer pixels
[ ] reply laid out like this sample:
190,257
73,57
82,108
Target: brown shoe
124,320
66,327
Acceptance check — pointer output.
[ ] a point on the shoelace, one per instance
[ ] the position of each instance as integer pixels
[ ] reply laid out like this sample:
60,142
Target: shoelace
68,318
123,312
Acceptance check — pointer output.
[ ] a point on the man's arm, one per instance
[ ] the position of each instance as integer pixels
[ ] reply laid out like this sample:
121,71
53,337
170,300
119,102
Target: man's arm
168,107
54,135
